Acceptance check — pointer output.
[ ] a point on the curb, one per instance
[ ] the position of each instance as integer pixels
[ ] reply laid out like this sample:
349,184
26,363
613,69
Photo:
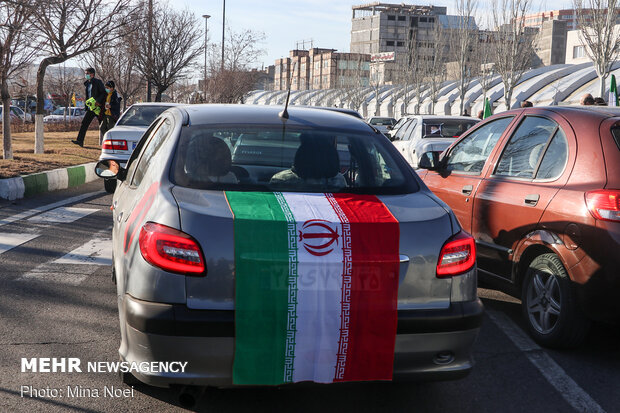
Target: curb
28,185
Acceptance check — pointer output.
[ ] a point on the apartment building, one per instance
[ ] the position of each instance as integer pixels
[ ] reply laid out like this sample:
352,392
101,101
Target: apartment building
321,69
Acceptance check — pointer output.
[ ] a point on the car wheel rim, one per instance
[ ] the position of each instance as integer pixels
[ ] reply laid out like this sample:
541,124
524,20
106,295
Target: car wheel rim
544,302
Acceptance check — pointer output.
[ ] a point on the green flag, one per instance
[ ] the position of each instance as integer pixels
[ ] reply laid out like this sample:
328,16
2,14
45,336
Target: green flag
487,109
613,92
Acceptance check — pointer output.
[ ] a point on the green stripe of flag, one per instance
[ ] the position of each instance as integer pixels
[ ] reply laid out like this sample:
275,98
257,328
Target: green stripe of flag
261,287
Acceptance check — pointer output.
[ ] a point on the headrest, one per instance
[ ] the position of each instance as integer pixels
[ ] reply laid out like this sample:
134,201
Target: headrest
316,158
208,157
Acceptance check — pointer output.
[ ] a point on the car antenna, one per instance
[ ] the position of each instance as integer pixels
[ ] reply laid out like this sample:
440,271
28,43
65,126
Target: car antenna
284,113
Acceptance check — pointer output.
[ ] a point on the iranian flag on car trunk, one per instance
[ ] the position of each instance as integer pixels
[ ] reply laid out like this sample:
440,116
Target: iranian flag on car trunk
316,287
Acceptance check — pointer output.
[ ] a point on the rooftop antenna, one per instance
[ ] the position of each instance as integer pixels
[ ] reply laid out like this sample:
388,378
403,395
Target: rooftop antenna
284,113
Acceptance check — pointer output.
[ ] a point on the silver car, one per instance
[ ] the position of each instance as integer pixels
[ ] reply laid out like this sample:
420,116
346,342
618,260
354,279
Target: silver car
120,141
265,247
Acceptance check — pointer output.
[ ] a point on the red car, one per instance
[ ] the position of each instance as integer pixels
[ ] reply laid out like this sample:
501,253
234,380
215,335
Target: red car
539,189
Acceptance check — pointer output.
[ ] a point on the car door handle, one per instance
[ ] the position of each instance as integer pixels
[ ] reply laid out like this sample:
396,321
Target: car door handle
467,189
119,217
532,199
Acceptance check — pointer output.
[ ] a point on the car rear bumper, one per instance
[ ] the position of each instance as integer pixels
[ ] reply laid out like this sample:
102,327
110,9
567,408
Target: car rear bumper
430,344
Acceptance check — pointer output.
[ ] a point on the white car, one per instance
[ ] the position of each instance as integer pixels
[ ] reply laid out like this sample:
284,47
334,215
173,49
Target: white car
424,133
62,114
120,141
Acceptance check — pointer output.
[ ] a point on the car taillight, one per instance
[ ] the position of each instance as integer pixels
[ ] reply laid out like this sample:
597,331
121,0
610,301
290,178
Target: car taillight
115,144
171,249
604,204
458,255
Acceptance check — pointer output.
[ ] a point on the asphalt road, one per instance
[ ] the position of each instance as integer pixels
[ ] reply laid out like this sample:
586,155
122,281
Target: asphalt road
56,303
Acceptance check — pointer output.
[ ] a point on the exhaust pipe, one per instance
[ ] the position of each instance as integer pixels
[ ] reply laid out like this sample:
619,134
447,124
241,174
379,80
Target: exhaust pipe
189,396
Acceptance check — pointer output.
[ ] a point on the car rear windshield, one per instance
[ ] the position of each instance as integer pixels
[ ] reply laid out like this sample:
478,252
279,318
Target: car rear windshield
446,128
141,115
382,121
297,160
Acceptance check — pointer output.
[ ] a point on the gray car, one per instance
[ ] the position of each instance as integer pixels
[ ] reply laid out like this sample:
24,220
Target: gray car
270,247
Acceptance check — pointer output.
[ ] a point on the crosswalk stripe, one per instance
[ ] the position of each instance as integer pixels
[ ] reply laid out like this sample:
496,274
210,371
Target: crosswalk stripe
73,268
38,210
62,215
97,251
9,240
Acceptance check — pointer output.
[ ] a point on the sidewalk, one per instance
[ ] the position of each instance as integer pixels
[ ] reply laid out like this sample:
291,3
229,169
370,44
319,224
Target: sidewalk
28,185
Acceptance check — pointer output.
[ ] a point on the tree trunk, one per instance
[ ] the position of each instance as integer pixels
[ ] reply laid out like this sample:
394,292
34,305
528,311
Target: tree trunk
507,95
602,79
6,122
158,95
38,119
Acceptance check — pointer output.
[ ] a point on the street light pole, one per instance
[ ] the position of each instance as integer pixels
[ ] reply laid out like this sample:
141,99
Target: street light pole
223,32
204,85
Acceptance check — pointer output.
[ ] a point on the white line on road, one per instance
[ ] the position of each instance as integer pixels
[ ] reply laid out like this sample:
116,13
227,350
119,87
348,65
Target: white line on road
9,241
62,215
97,251
38,210
555,375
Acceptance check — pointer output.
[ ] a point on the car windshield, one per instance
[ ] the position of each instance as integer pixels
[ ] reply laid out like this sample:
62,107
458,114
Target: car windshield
141,115
446,128
296,160
59,111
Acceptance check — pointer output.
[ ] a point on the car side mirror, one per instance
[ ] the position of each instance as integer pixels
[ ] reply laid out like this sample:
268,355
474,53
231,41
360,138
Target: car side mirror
390,127
429,160
110,169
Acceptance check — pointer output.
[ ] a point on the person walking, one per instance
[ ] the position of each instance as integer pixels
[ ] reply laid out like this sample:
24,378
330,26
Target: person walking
94,89
112,110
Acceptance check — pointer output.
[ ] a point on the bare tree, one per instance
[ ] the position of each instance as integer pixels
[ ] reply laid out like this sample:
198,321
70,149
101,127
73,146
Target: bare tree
352,78
435,65
15,54
463,39
70,28
241,55
176,45
65,83
118,61
514,45
597,20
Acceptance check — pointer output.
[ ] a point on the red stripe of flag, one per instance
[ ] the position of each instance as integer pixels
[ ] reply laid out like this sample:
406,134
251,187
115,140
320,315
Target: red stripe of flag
374,288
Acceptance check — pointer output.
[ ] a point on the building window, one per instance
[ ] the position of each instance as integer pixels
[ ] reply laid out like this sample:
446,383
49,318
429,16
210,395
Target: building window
366,66
578,51
317,65
400,44
303,66
423,19
342,64
325,63
389,43
402,18
391,17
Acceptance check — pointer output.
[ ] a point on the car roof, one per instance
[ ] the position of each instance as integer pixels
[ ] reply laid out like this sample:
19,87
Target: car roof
157,104
204,114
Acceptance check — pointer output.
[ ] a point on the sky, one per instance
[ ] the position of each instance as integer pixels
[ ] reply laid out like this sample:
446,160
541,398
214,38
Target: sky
326,22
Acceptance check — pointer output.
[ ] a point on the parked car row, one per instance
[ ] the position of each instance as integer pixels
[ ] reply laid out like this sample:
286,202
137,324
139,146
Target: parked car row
538,189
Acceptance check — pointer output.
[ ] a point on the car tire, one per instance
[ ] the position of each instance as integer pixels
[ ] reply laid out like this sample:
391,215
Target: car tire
109,185
549,304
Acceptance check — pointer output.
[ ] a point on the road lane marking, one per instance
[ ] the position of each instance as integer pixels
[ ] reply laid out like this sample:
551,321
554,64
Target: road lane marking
9,241
97,251
551,371
38,210
61,274
62,215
